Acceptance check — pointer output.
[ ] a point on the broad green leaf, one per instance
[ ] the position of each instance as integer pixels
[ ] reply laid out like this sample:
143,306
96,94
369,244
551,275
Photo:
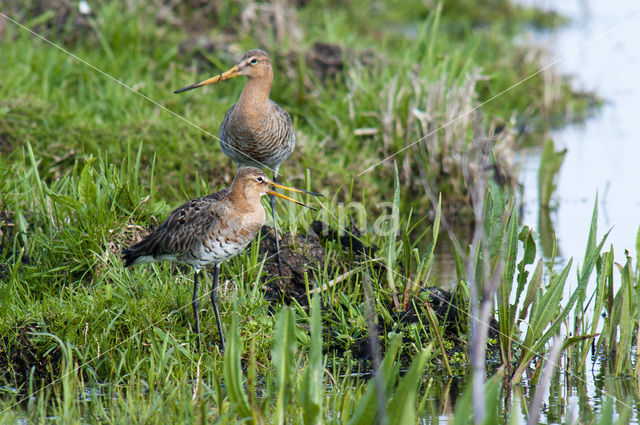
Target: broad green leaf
528,257
496,208
492,399
623,352
233,374
553,329
402,407
464,408
505,313
593,230
604,272
63,200
86,185
547,306
534,284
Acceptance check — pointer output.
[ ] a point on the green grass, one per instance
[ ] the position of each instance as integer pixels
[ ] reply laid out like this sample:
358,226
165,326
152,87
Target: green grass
86,165
72,110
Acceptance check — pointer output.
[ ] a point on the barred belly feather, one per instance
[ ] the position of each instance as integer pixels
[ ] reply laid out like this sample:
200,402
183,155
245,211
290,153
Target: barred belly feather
266,142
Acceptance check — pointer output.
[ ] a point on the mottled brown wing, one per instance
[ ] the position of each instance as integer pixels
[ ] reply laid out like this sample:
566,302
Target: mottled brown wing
184,227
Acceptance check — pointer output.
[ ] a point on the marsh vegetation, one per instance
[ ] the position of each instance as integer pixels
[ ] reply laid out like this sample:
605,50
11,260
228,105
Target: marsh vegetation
96,150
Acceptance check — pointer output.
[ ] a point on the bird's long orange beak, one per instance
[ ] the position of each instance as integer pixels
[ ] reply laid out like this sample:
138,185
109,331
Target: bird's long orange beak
292,189
233,72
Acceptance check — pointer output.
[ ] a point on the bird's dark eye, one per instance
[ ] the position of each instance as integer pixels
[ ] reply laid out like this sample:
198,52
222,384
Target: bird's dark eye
254,61
260,180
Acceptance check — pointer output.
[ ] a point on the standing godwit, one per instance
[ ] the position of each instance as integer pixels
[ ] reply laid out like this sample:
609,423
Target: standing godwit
210,230
256,131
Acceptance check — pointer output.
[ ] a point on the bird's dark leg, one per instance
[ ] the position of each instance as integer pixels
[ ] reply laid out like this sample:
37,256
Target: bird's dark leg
195,303
272,201
214,301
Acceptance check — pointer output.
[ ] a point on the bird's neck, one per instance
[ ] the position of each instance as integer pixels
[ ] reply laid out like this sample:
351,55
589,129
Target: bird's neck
243,201
254,99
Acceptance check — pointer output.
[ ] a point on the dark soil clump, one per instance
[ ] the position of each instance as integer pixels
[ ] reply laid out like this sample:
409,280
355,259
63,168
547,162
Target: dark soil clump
21,356
300,255
328,60
349,240
66,20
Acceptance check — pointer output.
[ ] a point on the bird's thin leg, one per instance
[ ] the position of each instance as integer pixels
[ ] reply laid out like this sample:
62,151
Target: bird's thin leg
214,301
272,201
195,303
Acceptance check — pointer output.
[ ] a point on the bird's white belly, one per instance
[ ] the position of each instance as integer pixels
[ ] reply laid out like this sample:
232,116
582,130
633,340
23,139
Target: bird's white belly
215,252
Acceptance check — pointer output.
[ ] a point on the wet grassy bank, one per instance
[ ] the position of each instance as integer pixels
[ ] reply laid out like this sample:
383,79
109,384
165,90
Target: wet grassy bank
87,166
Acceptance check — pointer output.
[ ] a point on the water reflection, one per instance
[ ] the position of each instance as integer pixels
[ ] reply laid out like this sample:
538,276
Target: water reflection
547,233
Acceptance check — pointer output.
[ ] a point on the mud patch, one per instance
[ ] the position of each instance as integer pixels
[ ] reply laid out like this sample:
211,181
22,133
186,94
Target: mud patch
301,255
22,355
329,60
349,240
451,315
6,144
67,19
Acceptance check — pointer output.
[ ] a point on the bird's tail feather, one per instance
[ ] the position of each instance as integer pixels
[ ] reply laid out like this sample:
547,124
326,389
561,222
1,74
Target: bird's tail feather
130,255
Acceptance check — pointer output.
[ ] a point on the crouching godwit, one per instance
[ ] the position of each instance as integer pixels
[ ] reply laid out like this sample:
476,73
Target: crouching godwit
256,131
210,230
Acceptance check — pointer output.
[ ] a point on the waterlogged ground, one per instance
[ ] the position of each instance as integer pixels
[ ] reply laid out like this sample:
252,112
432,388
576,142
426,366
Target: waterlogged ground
602,156
77,284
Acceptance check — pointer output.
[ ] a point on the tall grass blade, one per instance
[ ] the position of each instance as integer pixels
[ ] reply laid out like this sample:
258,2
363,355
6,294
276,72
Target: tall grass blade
283,359
625,305
311,391
506,311
391,249
543,386
233,374
402,406
433,322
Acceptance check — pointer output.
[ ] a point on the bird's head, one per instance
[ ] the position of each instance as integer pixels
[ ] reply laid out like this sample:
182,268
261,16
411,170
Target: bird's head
254,64
252,183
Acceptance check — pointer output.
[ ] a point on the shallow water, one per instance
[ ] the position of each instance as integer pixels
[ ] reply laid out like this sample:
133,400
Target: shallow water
599,49
603,153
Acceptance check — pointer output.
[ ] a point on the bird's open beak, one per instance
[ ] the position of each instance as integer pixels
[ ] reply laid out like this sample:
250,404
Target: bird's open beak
292,189
233,72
